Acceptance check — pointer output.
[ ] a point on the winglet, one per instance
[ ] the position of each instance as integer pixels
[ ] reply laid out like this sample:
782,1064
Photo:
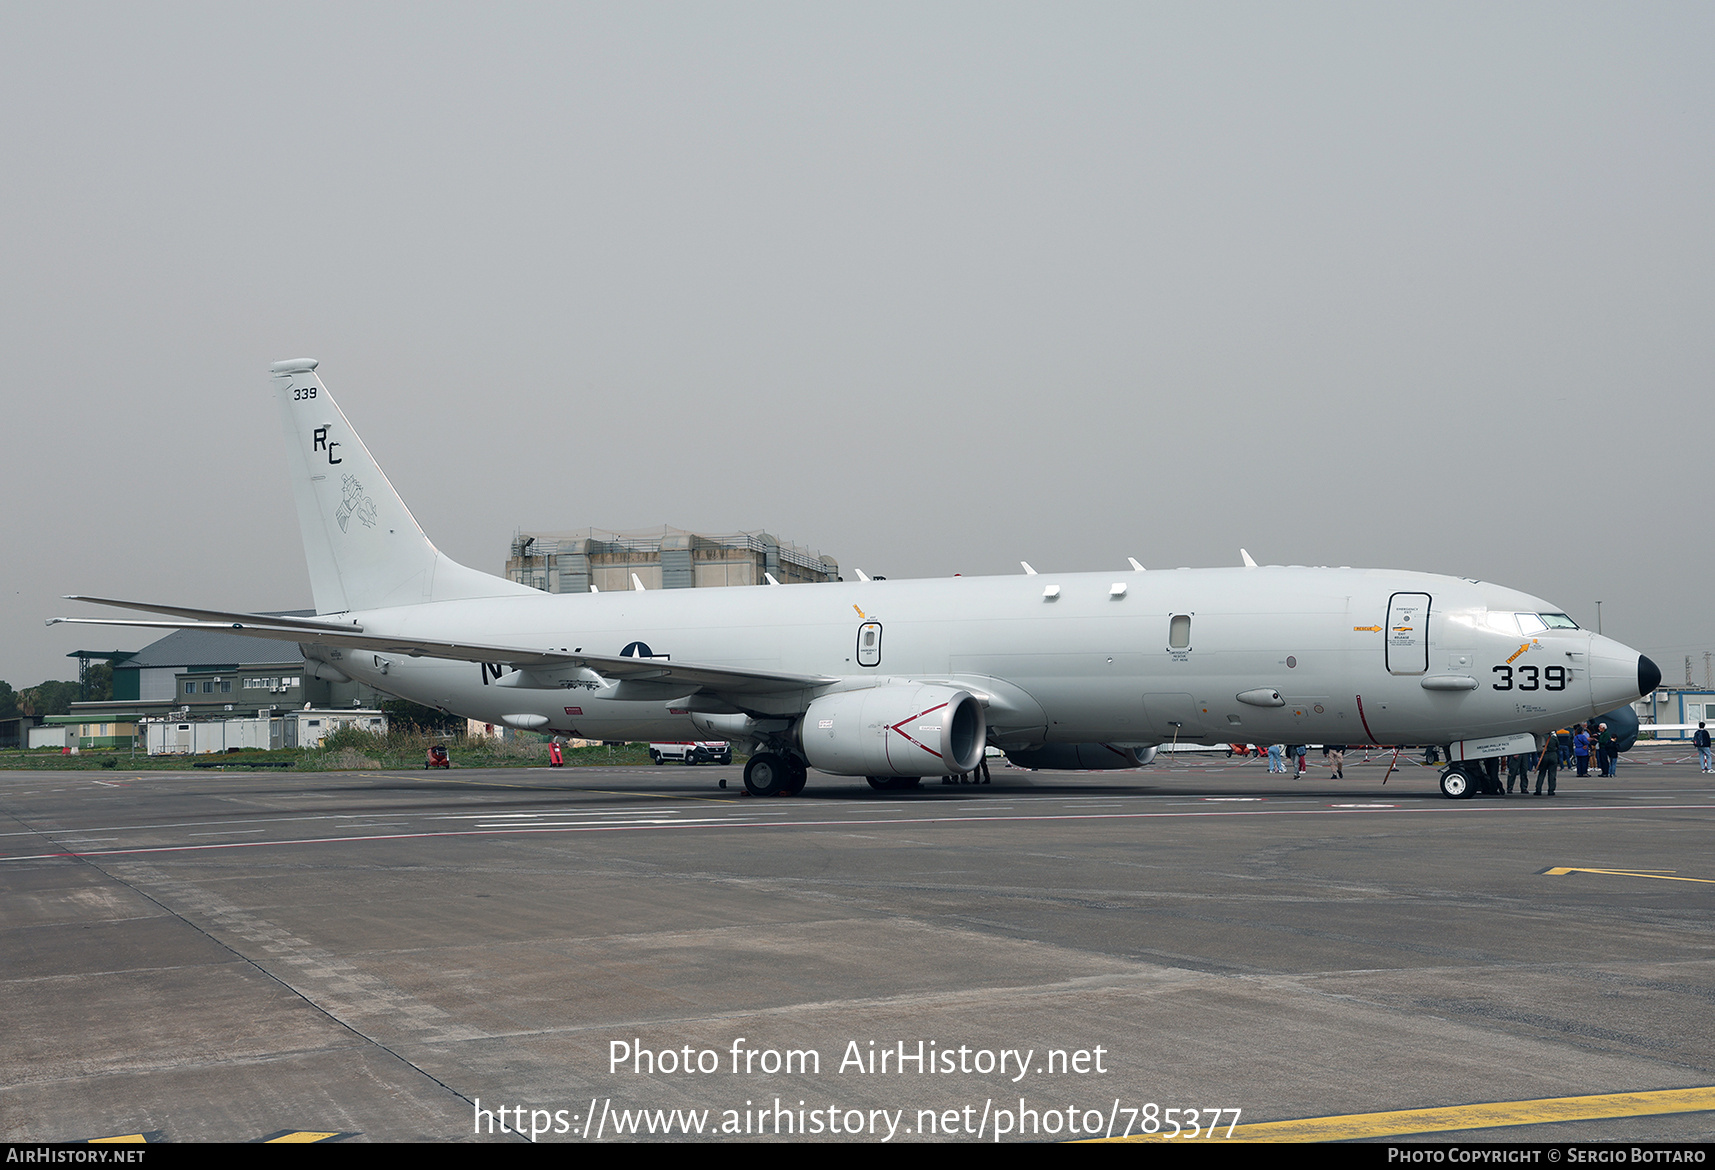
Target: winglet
1249,564
1135,565
1028,571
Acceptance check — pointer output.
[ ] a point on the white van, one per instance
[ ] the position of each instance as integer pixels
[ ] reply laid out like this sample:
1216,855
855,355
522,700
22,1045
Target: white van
711,751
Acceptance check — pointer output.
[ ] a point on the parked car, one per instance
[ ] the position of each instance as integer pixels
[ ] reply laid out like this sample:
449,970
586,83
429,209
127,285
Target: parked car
710,751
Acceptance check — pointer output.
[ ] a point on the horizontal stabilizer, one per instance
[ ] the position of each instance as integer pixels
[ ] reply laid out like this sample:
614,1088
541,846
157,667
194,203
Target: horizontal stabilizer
283,621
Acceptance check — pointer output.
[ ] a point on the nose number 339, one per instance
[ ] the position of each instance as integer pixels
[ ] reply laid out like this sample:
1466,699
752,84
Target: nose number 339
1549,678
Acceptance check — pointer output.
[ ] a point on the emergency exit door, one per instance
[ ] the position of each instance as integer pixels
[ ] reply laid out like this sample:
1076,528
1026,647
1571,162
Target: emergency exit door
1407,634
869,644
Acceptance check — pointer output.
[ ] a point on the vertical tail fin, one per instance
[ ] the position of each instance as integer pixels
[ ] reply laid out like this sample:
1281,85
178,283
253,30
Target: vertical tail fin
365,549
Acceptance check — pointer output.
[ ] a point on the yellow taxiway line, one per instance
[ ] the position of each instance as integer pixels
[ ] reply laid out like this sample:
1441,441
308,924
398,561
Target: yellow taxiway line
1489,1115
1666,875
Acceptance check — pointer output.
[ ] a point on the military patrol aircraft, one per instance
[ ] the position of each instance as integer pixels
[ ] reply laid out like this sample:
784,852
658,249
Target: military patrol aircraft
896,680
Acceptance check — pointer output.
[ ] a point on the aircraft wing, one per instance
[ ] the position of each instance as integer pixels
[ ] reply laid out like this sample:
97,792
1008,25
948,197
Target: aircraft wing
694,676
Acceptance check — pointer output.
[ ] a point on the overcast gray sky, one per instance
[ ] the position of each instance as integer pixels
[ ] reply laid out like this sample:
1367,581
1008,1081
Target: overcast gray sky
927,287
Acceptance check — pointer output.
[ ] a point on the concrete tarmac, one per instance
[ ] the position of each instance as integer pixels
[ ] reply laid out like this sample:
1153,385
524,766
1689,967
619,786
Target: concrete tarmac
214,955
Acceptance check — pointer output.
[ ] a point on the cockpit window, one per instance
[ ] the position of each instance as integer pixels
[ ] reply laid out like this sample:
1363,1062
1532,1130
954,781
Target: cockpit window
1558,621
1506,623
1530,623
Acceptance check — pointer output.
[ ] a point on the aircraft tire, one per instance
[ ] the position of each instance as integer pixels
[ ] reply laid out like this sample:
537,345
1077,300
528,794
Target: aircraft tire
766,775
1456,785
880,783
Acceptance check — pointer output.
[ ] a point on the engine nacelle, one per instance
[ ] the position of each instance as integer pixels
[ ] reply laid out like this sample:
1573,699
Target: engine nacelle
901,729
1081,757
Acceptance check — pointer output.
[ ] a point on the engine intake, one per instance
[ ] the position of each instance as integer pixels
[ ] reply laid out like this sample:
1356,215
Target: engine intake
901,729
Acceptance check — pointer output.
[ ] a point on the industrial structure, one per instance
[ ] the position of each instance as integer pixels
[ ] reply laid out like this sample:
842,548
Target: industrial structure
205,676
592,558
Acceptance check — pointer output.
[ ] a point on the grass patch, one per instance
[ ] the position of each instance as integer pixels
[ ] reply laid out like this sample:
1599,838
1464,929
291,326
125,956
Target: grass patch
347,750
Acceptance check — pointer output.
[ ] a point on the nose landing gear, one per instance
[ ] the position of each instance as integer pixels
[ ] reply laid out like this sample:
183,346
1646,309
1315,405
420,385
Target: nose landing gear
1455,785
1471,778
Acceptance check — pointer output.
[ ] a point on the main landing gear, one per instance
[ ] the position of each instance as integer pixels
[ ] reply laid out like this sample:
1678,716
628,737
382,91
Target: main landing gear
770,774
893,783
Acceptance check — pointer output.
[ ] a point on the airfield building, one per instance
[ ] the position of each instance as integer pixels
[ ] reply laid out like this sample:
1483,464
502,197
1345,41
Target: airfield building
571,562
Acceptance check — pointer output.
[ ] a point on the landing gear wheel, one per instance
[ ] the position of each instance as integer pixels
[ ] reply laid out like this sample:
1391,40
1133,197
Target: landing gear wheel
767,775
880,783
796,777
1455,785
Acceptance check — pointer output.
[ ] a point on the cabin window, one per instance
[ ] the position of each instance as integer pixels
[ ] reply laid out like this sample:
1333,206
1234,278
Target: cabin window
1179,632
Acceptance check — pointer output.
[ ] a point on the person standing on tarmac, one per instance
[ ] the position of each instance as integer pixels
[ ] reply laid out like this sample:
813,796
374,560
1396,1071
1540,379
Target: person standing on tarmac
1701,739
1581,749
1604,749
1336,760
1546,767
1518,768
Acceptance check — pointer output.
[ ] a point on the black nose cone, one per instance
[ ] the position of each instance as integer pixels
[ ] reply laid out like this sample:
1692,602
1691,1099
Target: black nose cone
1649,675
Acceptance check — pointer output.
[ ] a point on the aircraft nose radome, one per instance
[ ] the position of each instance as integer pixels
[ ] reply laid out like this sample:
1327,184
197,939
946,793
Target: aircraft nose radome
1649,675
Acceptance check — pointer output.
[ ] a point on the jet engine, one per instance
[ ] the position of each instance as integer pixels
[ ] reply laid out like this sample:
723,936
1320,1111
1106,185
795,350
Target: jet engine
900,729
1081,757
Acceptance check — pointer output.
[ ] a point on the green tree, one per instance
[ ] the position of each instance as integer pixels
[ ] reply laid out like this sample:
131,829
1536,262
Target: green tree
48,698
98,682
